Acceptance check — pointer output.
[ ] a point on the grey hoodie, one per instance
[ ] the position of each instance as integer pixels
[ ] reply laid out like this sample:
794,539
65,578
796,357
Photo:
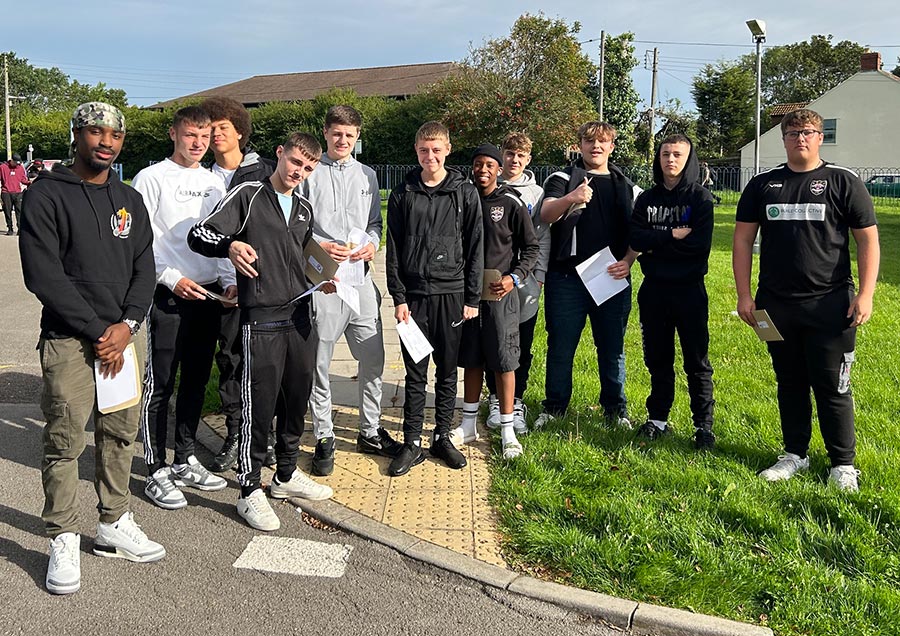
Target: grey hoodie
344,195
531,193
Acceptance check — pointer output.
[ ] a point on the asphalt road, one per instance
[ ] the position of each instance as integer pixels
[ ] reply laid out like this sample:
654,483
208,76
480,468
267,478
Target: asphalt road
196,588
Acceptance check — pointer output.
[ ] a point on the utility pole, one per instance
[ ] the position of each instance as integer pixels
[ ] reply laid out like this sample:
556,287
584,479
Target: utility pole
6,107
602,71
653,102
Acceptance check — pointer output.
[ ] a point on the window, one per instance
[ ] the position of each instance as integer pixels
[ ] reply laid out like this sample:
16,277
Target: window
829,129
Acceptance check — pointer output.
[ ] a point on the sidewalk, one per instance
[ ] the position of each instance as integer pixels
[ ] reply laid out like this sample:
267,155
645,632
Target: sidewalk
443,506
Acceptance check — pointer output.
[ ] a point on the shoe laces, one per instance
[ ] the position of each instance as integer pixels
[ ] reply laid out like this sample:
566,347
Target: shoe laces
65,552
127,526
787,461
845,476
165,484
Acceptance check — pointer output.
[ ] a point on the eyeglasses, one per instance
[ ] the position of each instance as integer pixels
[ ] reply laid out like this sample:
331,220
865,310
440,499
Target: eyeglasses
794,134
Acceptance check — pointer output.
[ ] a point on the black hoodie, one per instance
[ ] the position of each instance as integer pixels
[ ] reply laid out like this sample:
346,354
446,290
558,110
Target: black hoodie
435,239
86,253
657,210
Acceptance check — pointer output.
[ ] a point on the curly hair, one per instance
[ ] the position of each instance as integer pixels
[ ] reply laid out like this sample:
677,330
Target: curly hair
220,108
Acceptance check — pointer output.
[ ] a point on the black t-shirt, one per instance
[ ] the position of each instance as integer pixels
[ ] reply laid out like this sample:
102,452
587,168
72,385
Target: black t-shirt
602,223
804,220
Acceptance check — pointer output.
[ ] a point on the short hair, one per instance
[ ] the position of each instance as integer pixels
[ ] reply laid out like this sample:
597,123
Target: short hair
432,130
343,115
676,138
800,118
309,146
596,130
220,108
517,141
191,115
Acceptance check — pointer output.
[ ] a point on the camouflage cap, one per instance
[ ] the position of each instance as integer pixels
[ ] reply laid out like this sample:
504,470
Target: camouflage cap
98,114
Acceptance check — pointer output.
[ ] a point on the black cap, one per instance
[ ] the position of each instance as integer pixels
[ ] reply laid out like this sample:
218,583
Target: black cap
16,157
488,150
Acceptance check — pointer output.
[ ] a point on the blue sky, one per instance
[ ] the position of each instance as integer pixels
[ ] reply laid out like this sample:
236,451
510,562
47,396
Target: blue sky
160,49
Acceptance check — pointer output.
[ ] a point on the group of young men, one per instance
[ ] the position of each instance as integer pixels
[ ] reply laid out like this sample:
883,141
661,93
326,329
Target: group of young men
216,259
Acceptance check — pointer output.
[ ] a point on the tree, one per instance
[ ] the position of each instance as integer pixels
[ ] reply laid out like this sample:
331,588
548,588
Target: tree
670,118
620,99
803,71
896,70
531,81
725,97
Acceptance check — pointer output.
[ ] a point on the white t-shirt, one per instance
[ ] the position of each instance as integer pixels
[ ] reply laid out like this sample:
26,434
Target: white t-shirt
225,174
176,198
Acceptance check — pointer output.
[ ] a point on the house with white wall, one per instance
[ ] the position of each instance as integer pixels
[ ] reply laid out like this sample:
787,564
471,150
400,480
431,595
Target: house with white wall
861,127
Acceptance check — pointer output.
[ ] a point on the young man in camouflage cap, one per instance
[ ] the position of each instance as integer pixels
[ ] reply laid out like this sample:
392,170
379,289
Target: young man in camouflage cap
86,248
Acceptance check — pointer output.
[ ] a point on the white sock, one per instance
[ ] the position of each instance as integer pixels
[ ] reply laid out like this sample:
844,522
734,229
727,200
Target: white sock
507,433
468,428
659,424
179,467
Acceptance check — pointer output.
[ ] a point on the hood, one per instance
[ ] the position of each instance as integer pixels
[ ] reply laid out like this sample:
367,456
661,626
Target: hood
526,179
64,174
328,161
690,174
451,182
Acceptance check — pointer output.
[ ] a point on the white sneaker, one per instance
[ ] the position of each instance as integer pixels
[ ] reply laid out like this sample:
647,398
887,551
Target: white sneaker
194,475
520,417
511,450
493,419
459,437
64,568
845,478
257,512
299,485
785,467
542,420
124,539
162,491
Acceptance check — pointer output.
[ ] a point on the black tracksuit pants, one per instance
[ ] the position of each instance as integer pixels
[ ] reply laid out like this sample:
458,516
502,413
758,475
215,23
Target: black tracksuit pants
277,378
434,315
228,359
664,309
526,338
181,334
817,353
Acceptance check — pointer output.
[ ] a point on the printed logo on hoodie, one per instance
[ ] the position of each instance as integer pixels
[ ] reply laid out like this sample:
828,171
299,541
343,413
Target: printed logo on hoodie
663,217
120,222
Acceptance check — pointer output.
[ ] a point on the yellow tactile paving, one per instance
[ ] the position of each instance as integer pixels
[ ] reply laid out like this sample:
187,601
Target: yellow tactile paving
457,540
369,502
429,509
487,547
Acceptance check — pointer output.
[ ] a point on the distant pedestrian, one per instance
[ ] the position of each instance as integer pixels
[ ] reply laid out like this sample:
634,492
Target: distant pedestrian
706,180
805,211
12,178
87,255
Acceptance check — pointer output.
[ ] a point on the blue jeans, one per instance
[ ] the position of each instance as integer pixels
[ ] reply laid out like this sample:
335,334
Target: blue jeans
567,304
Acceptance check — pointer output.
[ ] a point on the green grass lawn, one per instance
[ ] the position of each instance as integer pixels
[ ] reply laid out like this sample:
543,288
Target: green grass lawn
659,522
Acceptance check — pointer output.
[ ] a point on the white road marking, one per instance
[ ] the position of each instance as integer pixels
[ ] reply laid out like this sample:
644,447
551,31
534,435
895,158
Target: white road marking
299,557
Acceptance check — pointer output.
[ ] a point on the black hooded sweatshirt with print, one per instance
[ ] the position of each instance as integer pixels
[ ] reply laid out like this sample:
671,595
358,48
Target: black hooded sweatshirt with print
87,253
664,258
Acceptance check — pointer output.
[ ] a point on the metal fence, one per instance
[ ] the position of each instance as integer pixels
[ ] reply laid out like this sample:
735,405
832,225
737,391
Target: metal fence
883,183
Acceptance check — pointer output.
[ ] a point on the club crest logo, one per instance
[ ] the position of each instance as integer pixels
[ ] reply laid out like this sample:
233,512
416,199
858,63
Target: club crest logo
120,223
496,213
774,212
817,186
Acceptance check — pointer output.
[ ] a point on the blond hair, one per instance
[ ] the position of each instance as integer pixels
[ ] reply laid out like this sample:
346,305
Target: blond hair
432,130
517,141
593,130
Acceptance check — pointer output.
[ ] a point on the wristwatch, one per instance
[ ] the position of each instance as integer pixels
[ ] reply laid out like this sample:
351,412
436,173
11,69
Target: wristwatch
515,280
133,325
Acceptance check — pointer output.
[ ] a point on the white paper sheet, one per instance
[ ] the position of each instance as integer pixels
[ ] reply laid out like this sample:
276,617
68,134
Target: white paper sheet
598,281
123,390
349,294
417,345
354,272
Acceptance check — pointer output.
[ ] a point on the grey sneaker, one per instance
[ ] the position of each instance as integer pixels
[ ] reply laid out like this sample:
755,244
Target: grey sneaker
493,419
845,478
194,475
542,420
785,467
256,511
161,490
520,417
64,568
124,539
299,485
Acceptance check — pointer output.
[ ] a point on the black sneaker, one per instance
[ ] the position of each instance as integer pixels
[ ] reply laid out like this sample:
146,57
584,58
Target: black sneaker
226,459
323,458
704,439
410,455
443,449
651,431
270,459
616,420
382,444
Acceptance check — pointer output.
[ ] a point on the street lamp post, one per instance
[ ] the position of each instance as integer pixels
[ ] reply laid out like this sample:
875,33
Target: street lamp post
758,29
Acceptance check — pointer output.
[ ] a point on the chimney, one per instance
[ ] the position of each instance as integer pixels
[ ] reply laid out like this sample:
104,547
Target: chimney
870,61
